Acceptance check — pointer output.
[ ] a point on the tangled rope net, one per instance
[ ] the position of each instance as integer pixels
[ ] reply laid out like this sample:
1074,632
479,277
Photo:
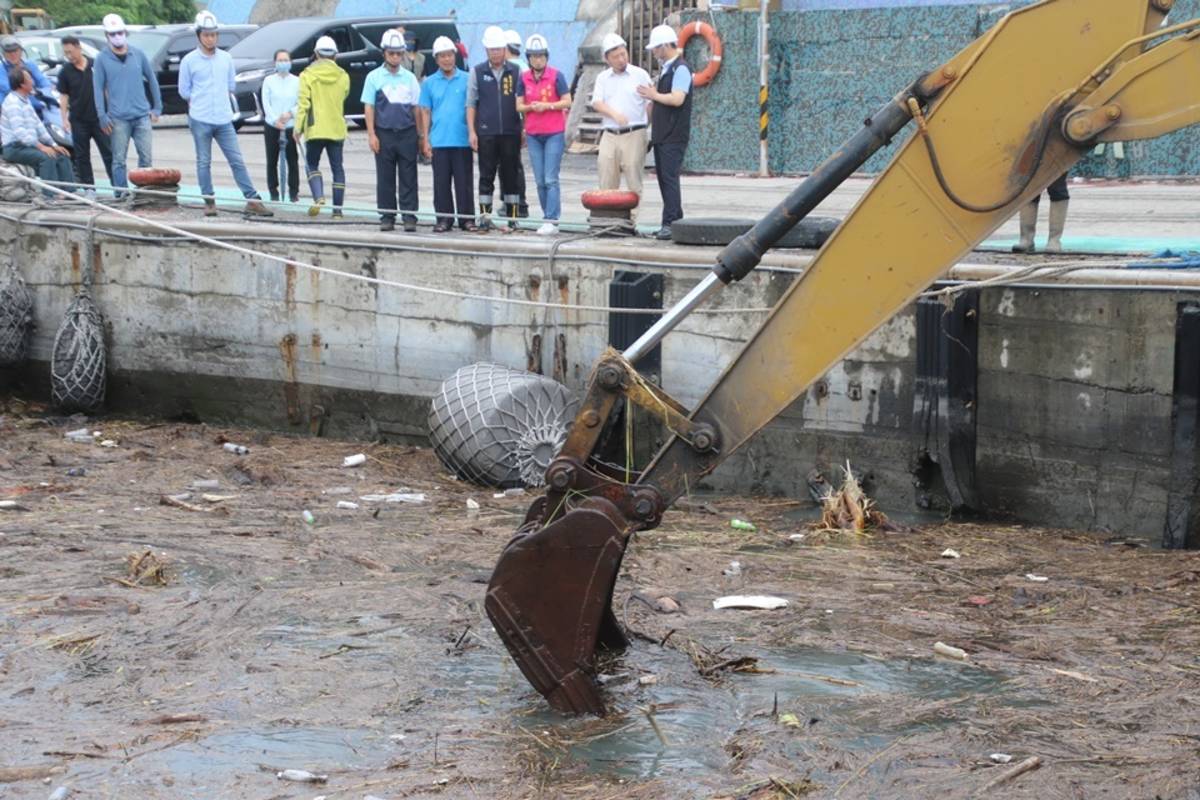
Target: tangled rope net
16,317
79,361
500,427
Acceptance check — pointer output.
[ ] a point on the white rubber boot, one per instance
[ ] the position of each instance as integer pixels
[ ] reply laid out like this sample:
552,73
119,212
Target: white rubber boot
1028,228
1058,221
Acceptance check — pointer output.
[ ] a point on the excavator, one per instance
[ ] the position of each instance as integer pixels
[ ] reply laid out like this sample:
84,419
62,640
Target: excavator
994,126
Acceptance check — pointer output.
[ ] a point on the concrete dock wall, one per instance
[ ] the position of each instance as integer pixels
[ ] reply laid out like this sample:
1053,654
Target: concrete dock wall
1074,385
833,62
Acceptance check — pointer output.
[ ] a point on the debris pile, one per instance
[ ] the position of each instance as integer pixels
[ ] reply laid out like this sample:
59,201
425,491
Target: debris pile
849,509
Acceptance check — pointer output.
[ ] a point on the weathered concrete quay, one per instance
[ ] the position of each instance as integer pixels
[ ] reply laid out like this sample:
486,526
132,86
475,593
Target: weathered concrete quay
1074,374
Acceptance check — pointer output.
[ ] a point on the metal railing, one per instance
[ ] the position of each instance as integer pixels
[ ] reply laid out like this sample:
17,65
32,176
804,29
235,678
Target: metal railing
635,20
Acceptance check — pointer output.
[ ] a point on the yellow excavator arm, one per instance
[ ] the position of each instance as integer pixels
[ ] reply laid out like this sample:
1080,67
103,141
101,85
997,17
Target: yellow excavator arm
995,126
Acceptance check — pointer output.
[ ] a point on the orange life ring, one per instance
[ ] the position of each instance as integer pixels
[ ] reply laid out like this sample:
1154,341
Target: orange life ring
704,76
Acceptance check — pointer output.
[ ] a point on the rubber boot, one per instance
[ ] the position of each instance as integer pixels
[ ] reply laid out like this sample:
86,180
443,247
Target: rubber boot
512,209
339,196
1028,228
317,185
1058,221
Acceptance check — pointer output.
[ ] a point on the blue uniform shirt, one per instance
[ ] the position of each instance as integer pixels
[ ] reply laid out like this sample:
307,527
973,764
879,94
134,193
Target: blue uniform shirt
394,95
446,98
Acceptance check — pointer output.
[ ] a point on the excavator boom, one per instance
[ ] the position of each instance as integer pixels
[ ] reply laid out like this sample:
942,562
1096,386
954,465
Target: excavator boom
995,126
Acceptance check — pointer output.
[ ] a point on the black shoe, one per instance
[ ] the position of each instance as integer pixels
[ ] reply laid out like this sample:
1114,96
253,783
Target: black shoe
410,226
294,198
387,225
663,234
274,197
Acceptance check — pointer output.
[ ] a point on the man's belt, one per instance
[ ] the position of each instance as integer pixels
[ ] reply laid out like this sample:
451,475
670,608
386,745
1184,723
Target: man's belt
626,129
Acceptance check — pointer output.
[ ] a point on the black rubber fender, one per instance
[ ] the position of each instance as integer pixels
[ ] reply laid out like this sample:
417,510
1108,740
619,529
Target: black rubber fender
810,233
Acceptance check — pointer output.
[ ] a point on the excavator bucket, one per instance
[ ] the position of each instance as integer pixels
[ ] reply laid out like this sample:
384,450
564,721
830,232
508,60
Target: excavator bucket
550,601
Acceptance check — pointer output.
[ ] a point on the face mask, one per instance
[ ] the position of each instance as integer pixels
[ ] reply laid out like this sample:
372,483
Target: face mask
117,39
283,67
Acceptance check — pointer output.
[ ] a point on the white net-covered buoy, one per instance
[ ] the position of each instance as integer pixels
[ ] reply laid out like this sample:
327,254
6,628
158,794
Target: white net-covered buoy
500,427
16,317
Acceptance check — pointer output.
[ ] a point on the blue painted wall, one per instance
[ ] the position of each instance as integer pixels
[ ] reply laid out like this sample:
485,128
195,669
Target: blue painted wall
834,61
554,19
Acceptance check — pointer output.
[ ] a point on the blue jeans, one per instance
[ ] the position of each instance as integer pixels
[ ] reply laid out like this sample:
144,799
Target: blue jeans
545,153
49,168
122,131
203,134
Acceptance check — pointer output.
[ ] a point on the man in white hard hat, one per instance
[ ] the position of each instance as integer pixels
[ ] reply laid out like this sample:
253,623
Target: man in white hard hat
671,121
512,41
121,78
321,121
626,115
446,141
206,83
390,95
494,127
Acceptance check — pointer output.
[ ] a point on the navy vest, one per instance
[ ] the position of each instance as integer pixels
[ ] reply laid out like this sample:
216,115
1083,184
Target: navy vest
671,124
496,109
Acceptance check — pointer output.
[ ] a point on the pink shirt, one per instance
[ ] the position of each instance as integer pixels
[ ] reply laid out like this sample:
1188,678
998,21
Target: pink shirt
543,91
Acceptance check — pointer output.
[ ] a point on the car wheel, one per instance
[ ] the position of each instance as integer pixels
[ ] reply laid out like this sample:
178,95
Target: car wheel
810,232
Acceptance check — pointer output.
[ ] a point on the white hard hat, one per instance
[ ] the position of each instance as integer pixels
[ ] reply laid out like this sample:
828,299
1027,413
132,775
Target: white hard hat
612,41
392,40
493,37
113,23
206,21
537,44
662,34
326,46
512,39
443,44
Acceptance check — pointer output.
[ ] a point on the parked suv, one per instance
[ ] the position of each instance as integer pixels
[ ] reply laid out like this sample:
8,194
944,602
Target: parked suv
357,39
166,45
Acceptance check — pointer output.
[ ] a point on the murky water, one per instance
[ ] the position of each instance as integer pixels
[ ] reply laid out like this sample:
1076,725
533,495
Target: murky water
846,695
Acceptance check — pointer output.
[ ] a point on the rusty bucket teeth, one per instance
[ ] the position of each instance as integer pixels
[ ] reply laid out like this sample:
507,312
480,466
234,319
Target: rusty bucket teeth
549,600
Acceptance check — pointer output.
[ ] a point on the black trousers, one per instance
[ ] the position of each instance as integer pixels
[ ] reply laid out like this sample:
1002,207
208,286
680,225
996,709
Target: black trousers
396,166
1057,190
271,136
453,167
668,163
82,136
501,154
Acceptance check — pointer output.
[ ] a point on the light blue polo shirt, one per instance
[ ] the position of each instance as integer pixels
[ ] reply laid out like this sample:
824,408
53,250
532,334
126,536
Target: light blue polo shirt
446,98
394,95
